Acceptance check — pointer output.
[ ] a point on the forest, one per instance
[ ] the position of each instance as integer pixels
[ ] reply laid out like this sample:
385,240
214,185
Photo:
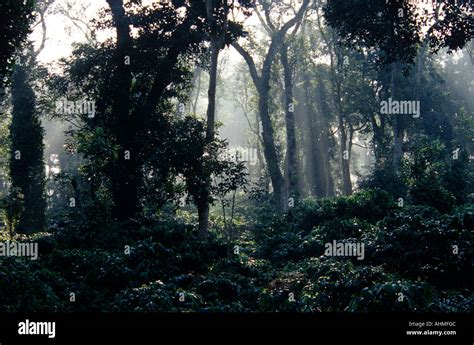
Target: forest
236,156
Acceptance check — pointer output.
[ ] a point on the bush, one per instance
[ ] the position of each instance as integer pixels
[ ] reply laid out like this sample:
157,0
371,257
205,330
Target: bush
27,287
153,297
398,296
333,283
281,265
417,242
366,205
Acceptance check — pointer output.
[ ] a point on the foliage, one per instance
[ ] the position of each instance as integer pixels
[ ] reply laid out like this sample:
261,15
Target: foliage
30,288
417,242
430,175
141,166
12,208
407,250
27,170
16,17
395,28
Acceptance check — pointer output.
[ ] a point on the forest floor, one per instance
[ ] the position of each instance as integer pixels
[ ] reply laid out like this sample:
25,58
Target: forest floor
415,258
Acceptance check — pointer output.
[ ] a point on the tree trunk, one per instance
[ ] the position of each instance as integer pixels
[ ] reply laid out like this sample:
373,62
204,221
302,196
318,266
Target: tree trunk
203,207
316,133
345,157
292,164
26,158
124,188
262,84
198,90
269,149
211,93
345,154
378,138
203,219
123,178
399,126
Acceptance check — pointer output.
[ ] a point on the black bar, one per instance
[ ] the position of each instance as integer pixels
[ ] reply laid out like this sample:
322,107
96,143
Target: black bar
256,328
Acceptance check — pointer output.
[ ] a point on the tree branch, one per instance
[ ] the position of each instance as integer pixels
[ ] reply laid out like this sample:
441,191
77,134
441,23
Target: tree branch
251,64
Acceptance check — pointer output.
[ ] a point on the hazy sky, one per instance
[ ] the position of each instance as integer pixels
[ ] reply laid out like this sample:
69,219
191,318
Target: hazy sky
60,31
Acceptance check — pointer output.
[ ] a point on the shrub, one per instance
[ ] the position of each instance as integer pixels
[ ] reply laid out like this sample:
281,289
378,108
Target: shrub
28,288
398,296
417,242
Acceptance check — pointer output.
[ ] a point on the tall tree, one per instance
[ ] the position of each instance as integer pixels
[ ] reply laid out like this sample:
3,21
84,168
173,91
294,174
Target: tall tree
130,123
155,48
262,84
397,30
27,170
291,175
220,28
26,159
336,58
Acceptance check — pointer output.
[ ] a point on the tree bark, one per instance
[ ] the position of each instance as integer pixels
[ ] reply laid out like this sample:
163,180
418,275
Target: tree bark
124,184
27,170
262,83
322,141
203,207
343,146
399,125
335,55
315,131
345,157
216,42
292,164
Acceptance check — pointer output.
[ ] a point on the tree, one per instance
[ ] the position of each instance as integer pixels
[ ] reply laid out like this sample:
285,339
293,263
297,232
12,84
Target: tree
15,19
396,27
130,123
75,12
262,84
26,158
396,31
291,175
336,57
27,170
137,143
313,113
221,30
